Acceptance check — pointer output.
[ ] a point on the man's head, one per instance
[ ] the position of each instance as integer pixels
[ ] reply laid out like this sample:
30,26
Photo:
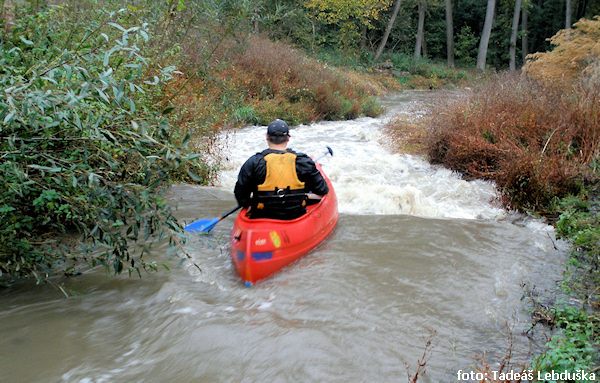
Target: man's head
278,132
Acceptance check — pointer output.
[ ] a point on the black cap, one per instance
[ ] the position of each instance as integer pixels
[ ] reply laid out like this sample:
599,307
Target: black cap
278,128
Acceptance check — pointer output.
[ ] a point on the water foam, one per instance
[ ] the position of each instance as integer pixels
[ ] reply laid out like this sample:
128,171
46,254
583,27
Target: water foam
367,177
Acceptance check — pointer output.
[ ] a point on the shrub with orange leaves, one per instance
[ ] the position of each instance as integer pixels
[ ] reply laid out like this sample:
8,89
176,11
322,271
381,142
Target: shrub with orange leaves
575,58
534,143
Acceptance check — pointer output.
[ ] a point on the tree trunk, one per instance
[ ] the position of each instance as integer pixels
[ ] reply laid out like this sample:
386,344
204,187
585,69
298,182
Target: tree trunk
449,34
485,35
420,32
525,39
568,15
386,35
513,36
363,38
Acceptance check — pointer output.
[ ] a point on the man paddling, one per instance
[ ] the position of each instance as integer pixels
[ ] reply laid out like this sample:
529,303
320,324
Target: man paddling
275,182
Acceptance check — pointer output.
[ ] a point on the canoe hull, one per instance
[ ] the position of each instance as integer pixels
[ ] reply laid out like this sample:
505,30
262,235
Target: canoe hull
261,247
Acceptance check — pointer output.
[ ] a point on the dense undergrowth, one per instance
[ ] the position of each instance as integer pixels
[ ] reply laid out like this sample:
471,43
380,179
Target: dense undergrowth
81,155
536,135
535,143
577,346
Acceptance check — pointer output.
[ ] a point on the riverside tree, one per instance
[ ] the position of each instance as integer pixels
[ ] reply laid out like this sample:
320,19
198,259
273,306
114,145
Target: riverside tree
349,16
83,160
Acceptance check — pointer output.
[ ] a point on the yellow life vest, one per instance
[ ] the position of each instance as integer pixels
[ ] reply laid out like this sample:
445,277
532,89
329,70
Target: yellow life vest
281,173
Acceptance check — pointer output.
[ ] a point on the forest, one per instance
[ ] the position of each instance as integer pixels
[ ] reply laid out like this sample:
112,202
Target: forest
106,103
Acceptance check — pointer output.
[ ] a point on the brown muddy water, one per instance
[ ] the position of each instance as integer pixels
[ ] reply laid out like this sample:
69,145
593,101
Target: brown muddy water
418,254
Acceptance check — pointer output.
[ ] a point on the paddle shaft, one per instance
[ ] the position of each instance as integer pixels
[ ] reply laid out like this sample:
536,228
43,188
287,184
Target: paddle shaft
329,151
230,212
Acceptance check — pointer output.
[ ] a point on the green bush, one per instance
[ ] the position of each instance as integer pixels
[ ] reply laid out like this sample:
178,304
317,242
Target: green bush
371,107
466,46
82,161
245,115
575,349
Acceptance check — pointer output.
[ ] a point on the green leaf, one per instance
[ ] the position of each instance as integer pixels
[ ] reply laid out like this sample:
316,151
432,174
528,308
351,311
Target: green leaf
168,110
46,168
77,120
194,176
104,97
6,209
69,71
117,26
28,42
8,117
186,139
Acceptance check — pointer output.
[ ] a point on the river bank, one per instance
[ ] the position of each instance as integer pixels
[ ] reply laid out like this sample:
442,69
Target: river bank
136,125
573,211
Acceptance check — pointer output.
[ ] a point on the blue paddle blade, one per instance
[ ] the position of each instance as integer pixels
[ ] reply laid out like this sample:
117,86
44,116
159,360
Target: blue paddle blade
204,225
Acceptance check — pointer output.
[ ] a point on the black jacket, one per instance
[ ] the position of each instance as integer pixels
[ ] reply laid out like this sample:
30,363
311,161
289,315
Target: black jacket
254,171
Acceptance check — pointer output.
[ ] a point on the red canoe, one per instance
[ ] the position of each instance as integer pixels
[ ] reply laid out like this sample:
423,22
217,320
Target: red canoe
261,247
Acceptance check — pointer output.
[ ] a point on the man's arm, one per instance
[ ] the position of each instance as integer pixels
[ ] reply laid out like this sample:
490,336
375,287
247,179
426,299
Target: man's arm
246,183
310,175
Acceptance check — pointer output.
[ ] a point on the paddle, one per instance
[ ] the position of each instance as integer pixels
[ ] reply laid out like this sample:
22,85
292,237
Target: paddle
329,151
206,225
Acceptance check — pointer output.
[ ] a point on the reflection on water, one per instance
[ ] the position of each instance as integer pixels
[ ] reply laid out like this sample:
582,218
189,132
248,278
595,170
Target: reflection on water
416,250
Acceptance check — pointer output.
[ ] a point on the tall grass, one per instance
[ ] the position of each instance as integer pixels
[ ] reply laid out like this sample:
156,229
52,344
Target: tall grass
534,143
281,82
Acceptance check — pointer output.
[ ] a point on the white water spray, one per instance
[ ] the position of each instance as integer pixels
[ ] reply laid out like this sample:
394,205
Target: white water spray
367,177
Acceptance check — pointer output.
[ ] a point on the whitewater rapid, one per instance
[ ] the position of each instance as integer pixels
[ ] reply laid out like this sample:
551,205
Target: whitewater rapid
368,178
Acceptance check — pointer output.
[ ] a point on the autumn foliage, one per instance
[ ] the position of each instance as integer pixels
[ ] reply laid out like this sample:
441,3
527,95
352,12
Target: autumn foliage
536,136
350,16
574,61
535,144
257,80
280,82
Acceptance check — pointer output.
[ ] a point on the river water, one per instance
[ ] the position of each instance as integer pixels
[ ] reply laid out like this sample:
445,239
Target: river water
418,255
